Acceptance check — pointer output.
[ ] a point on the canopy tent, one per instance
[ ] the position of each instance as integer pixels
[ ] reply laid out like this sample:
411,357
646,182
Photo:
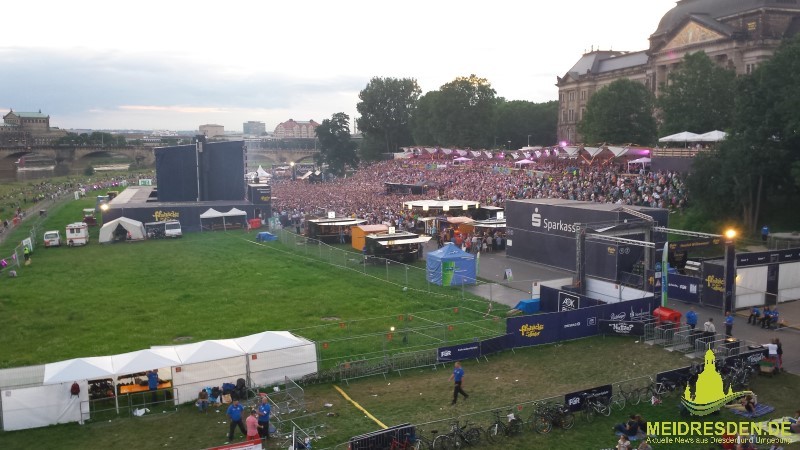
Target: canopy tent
215,220
643,161
91,368
523,162
144,360
277,354
685,136
122,229
712,136
451,266
462,159
618,151
261,172
572,151
459,220
593,151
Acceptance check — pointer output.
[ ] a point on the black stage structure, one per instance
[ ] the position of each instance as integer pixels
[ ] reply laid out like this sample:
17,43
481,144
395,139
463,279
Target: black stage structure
191,179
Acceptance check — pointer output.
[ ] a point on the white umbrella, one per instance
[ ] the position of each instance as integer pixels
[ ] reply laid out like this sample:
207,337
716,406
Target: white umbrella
684,136
712,136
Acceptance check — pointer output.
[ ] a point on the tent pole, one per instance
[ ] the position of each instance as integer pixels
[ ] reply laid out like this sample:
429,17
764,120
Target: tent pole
116,396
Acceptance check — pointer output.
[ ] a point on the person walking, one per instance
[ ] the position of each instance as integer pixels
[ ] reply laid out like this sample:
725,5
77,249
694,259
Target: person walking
709,330
264,410
691,318
728,324
458,378
234,413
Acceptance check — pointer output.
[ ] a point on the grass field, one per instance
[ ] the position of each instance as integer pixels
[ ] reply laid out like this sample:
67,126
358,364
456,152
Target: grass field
107,299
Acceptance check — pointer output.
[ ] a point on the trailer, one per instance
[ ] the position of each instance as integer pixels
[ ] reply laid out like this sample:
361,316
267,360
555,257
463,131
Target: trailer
77,234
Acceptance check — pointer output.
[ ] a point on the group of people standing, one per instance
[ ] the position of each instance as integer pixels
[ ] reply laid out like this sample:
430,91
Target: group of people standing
256,426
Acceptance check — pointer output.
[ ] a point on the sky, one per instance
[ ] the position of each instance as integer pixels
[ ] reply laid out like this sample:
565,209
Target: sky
175,64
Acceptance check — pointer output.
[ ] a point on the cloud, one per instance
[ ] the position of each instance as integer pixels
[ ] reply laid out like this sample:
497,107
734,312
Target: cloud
76,83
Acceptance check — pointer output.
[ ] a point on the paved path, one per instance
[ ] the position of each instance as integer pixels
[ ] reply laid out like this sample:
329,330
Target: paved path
492,267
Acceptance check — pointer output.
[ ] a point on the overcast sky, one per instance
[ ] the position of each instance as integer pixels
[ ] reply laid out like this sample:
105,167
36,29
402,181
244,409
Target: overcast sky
175,65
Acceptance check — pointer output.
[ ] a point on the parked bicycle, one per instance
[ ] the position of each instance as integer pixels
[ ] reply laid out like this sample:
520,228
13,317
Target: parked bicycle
503,426
423,443
547,415
656,391
623,397
459,436
594,404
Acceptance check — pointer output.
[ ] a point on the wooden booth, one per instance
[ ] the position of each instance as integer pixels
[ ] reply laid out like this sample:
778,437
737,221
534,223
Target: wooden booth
360,232
332,230
399,246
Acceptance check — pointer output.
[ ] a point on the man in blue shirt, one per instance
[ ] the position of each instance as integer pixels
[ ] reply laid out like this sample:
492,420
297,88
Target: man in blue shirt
766,317
755,313
234,413
764,233
264,410
152,383
458,377
728,324
691,318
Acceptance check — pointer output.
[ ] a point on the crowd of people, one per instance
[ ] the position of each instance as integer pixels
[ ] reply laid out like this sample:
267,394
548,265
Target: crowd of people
364,195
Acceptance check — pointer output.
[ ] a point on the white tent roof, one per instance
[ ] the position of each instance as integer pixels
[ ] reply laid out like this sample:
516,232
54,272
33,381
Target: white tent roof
210,214
640,161
143,360
234,212
462,159
269,340
618,151
571,151
207,351
593,151
712,136
261,172
78,369
134,227
685,136
523,162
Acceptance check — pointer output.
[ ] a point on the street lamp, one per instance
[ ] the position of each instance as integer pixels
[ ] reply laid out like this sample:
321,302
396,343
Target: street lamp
291,164
730,271
529,140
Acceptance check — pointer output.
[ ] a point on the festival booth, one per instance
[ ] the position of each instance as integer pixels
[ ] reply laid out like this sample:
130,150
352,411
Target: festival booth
215,220
332,230
451,266
644,161
39,396
400,246
358,234
122,229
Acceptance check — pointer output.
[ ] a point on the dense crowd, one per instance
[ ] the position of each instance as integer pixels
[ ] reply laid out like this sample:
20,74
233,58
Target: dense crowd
364,195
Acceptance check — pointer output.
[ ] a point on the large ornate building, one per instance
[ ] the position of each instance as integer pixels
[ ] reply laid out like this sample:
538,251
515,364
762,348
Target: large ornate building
25,129
739,34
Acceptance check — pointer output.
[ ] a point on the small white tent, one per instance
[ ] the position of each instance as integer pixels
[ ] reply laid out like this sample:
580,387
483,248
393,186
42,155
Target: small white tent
133,228
685,136
712,136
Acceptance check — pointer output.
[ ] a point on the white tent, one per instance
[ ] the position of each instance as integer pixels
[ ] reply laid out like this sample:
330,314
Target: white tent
618,151
144,360
523,162
593,151
685,136
198,361
461,160
643,161
134,228
78,369
712,136
273,355
261,172
211,215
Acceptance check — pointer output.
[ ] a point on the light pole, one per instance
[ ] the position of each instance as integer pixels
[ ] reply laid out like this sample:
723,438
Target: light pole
730,271
293,174
529,140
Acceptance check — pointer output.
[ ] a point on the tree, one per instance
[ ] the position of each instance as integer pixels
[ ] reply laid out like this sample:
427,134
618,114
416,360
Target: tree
754,168
336,147
516,120
386,107
698,97
460,113
619,113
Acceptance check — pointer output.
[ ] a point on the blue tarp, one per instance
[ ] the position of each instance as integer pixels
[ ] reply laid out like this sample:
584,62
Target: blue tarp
528,306
451,266
265,236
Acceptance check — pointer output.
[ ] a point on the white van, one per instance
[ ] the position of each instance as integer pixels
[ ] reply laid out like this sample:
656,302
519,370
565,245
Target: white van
172,229
52,239
77,234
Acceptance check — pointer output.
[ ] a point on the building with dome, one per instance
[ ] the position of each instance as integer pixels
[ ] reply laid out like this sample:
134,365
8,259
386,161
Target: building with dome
739,34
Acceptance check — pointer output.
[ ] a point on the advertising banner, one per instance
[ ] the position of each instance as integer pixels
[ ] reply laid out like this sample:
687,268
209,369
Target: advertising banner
458,352
621,327
684,288
568,301
533,330
574,400
761,258
713,285
577,324
494,345
752,356
630,310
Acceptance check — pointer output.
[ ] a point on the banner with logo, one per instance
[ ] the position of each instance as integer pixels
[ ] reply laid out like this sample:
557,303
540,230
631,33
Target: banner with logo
630,310
577,324
751,356
533,330
568,301
458,352
684,288
622,328
574,400
713,284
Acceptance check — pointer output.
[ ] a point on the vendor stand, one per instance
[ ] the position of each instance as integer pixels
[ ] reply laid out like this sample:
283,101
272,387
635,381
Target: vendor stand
333,230
400,246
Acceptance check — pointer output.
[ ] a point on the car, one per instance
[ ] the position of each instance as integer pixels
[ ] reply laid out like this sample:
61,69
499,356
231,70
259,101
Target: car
52,238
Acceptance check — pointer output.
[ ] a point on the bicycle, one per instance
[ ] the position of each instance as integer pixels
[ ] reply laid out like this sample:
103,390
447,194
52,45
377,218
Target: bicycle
458,436
406,444
623,397
423,443
548,415
595,404
497,429
656,390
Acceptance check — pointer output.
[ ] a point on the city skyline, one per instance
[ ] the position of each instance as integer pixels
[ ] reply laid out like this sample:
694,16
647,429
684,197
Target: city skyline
176,66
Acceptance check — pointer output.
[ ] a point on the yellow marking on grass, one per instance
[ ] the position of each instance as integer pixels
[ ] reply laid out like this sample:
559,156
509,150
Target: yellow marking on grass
346,397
